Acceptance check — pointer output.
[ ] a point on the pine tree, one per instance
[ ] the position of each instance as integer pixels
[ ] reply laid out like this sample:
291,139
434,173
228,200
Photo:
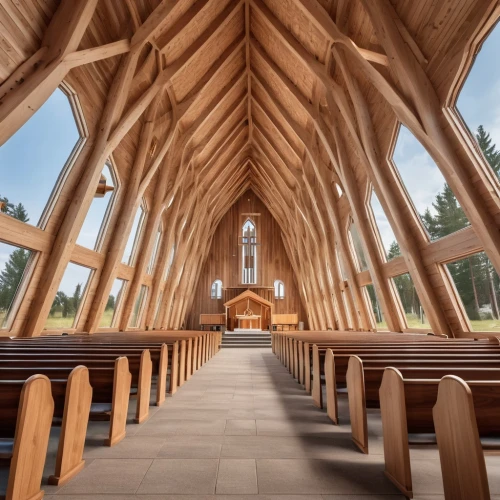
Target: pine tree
449,217
490,151
19,212
11,276
12,273
394,251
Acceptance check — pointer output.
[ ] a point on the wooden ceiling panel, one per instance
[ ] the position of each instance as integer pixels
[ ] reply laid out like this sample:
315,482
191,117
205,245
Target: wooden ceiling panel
200,63
180,36
233,83
291,65
271,84
300,26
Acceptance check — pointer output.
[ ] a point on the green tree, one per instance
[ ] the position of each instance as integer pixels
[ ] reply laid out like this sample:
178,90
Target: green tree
11,276
490,151
77,297
394,251
111,303
12,273
19,212
449,216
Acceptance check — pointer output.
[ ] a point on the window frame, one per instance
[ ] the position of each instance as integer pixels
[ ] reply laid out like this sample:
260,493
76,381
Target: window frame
218,290
280,285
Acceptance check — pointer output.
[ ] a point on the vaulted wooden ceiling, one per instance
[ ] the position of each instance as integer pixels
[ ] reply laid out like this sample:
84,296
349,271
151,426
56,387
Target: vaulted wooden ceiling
286,97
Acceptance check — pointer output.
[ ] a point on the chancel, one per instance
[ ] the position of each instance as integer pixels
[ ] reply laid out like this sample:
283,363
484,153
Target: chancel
249,249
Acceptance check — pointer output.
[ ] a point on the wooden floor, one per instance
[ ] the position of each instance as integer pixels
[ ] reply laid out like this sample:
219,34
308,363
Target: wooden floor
243,429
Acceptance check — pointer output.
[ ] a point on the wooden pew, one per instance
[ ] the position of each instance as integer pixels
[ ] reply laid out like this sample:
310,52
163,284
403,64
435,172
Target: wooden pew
158,357
110,391
487,351
462,458
26,409
407,408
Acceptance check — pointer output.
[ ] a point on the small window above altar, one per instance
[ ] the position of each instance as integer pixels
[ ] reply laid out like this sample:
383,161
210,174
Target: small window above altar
216,290
279,289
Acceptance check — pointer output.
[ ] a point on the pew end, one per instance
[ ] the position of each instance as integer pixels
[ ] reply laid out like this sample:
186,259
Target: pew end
462,459
332,409
395,431
144,387
121,392
77,404
161,384
317,393
357,403
31,439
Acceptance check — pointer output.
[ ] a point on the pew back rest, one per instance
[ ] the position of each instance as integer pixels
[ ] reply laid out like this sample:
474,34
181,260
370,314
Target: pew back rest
34,418
462,460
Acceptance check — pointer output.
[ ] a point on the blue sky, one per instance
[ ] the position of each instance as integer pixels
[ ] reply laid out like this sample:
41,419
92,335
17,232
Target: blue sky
32,160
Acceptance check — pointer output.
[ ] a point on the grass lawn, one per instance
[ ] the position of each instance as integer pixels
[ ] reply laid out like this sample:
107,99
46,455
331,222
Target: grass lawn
57,322
107,318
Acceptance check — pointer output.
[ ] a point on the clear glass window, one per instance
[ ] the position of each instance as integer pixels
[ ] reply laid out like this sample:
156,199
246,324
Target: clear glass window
134,236
33,160
216,290
478,287
384,227
98,215
279,289
138,309
171,256
414,312
249,252
70,297
358,248
112,310
156,247
478,100
380,322
437,206
14,263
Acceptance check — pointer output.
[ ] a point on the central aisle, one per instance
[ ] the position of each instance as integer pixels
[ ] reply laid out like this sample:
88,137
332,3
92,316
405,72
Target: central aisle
240,426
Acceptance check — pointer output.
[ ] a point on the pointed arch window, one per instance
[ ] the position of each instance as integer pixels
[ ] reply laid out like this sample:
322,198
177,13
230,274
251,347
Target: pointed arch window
249,252
154,253
33,177
135,235
93,229
279,289
216,290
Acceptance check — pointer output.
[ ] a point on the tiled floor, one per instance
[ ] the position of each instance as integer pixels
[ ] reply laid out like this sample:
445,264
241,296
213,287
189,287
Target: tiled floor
243,429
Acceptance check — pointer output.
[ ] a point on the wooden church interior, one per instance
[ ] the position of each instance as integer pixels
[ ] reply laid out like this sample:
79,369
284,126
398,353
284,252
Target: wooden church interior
183,177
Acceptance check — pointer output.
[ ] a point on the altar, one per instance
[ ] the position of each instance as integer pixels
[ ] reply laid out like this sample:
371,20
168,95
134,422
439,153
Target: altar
248,311
252,322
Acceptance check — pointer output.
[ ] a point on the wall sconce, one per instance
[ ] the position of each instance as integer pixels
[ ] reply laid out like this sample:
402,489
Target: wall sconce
102,188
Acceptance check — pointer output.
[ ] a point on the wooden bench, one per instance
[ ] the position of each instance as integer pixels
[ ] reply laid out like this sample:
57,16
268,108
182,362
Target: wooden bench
458,436
407,408
26,409
314,375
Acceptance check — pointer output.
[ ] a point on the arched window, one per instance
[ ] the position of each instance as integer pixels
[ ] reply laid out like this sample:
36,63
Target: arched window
169,263
382,224
216,290
249,252
279,289
135,235
33,176
154,253
477,101
357,247
432,197
96,221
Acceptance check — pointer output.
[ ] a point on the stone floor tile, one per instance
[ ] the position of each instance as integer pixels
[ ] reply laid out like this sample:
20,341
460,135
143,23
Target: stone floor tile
102,476
180,476
237,477
240,428
163,427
